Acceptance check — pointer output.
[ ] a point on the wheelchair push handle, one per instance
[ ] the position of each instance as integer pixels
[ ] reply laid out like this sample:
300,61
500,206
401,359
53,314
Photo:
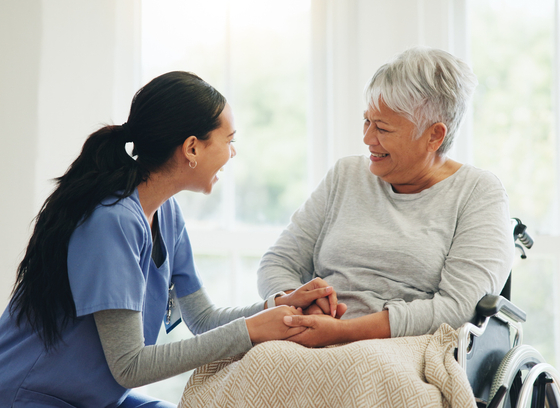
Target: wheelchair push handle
520,234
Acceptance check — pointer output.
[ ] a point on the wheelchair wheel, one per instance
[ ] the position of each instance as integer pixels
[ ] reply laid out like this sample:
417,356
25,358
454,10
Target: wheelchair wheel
540,387
512,371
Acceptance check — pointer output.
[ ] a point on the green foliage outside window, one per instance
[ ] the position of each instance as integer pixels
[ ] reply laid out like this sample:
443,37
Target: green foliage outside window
512,55
513,129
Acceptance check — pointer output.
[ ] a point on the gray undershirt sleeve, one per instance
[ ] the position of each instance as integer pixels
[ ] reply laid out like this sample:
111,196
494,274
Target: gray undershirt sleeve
134,364
200,314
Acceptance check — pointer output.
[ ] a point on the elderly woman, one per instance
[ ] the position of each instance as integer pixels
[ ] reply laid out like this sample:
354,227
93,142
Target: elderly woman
409,238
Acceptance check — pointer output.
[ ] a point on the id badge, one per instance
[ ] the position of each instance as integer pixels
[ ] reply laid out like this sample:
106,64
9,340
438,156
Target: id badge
173,313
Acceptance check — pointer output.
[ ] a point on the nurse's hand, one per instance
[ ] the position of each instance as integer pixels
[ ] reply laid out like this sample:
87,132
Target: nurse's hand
269,324
315,292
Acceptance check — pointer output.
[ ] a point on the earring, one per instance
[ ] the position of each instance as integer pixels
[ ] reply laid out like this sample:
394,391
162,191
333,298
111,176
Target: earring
191,166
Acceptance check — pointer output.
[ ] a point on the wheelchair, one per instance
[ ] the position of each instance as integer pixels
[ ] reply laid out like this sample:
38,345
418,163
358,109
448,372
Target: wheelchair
504,372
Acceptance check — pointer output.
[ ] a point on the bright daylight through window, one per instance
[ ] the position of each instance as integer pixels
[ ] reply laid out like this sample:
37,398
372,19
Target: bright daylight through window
222,42
512,51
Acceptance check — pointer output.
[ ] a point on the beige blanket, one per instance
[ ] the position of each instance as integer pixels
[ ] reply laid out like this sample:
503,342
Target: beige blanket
403,372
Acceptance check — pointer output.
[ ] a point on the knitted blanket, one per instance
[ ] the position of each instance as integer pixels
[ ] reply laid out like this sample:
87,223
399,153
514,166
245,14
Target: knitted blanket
403,372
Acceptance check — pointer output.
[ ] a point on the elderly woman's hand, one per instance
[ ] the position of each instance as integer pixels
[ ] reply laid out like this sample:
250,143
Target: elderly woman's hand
322,307
320,330
323,330
315,297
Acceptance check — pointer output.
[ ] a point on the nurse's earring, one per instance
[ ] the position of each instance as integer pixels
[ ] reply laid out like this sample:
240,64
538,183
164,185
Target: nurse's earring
189,150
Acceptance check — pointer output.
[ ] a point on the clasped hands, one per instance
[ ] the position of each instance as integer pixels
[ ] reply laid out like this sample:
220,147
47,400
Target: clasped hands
309,315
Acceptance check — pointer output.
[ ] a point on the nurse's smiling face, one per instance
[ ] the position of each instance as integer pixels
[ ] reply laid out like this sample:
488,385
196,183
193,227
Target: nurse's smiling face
213,154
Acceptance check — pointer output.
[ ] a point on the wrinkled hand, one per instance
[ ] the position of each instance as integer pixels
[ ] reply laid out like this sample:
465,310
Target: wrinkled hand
316,291
269,324
320,330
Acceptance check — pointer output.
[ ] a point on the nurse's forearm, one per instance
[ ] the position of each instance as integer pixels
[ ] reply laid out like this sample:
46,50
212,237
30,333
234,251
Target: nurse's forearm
133,364
201,315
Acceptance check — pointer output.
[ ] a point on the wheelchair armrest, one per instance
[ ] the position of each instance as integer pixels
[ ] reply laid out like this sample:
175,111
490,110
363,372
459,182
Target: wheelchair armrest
491,305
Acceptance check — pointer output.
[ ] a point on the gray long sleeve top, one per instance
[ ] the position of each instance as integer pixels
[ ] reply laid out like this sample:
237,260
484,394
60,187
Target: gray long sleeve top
219,333
427,258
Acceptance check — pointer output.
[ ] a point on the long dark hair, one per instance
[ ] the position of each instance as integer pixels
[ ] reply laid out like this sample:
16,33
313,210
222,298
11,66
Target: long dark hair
163,114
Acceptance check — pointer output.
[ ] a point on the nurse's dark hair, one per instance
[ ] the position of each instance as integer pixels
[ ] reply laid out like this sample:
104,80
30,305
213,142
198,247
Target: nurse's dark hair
163,114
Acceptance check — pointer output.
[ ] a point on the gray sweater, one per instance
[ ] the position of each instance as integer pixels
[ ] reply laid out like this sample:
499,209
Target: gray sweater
427,258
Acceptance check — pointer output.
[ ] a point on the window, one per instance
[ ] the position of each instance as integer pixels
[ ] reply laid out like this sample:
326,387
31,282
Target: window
515,135
224,43
256,54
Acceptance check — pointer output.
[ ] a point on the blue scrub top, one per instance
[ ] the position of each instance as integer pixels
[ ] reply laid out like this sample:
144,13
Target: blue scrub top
109,267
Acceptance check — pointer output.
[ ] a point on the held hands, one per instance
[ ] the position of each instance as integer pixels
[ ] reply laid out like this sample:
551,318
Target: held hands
321,307
287,321
323,330
269,324
315,297
310,319
320,330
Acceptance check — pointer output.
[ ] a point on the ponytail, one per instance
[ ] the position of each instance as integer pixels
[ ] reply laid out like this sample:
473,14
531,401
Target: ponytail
163,114
42,294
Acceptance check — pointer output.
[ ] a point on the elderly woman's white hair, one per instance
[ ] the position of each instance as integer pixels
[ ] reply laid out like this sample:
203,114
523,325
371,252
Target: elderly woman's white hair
425,85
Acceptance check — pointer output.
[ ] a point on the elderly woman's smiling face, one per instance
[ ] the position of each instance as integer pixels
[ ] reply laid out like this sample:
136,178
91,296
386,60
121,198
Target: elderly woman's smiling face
396,155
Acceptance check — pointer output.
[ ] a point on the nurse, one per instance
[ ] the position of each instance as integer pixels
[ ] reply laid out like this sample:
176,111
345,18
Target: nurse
110,258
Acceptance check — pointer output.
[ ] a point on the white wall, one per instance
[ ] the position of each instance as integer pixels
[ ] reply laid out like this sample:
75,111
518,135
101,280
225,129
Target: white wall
67,67
20,48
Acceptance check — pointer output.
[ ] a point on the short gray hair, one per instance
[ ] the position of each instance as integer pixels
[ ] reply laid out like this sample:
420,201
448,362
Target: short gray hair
425,85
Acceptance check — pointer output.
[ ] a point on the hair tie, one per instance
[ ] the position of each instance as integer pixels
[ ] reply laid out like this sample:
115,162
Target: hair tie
127,134
128,143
